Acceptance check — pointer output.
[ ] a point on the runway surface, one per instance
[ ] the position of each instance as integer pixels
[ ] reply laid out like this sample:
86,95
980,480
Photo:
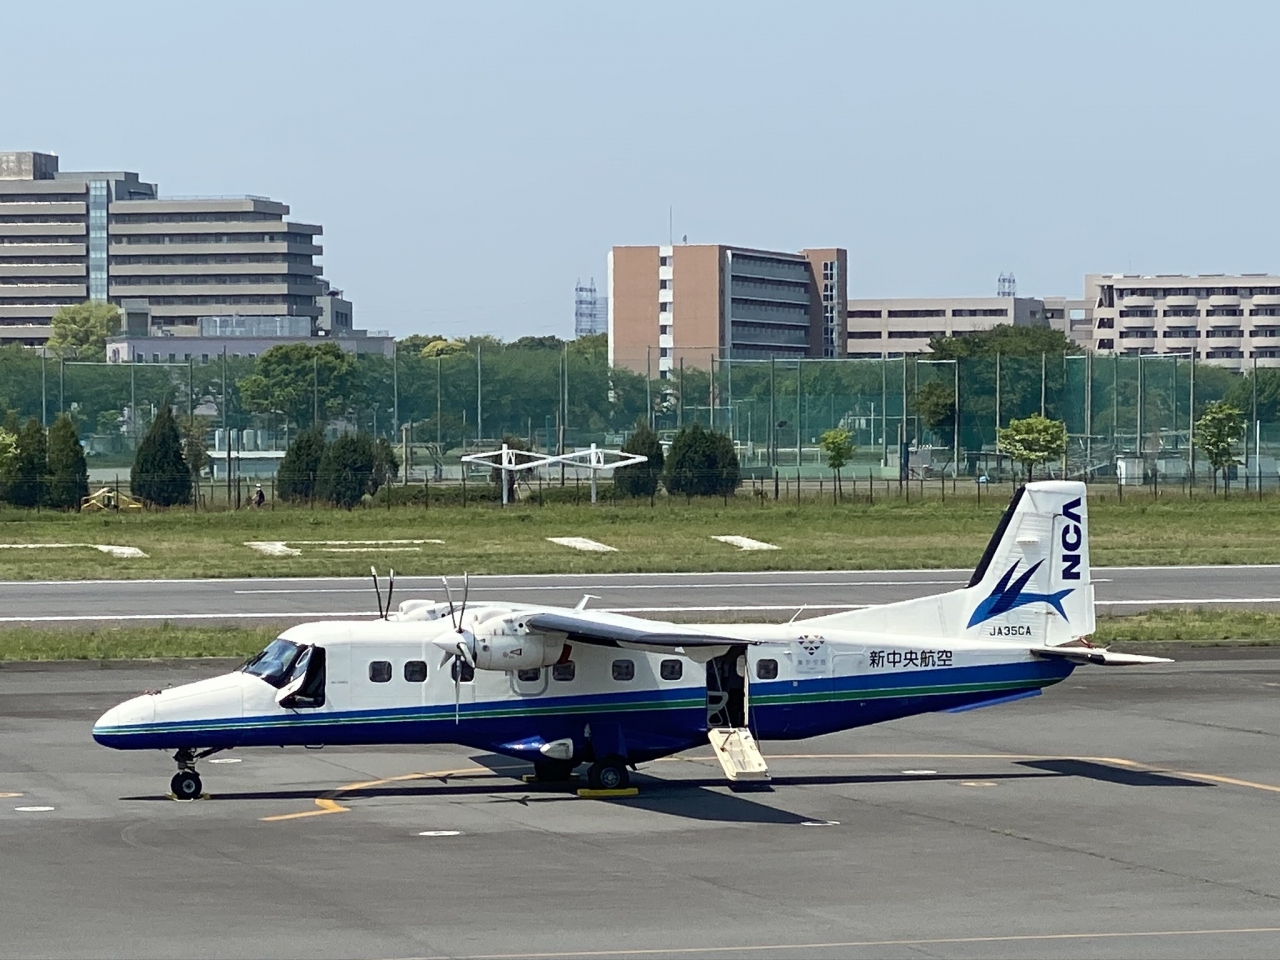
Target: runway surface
707,595
1125,813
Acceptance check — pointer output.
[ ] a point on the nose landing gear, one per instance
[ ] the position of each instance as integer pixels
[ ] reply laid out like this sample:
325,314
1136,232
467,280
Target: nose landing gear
186,783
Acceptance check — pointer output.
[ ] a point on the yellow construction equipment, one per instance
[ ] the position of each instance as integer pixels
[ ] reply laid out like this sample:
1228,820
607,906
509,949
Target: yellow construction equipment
108,498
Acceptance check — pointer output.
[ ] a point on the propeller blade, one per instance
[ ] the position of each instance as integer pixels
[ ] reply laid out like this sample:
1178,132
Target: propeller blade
464,651
449,596
466,591
378,592
457,690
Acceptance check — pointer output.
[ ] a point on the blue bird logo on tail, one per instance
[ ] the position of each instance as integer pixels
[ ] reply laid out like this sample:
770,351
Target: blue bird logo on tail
1006,596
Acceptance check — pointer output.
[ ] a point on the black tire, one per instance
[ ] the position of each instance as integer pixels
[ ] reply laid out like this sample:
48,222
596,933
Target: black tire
553,771
609,773
186,785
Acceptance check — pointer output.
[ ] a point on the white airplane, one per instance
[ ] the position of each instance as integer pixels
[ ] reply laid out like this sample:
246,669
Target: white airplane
562,687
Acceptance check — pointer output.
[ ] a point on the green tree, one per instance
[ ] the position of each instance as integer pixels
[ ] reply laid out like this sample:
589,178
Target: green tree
702,464
1217,433
1241,394
300,379
30,474
837,444
80,330
297,476
8,460
936,405
443,348
160,475
346,470
640,480
1034,440
194,448
386,465
68,474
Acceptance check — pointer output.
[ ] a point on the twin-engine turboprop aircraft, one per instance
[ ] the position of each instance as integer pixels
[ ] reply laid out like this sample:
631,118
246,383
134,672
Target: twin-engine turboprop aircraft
561,687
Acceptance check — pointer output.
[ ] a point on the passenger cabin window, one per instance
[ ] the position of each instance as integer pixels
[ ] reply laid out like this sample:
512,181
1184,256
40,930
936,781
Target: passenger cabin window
415,671
767,670
529,676
671,669
462,671
624,670
563,671
380,671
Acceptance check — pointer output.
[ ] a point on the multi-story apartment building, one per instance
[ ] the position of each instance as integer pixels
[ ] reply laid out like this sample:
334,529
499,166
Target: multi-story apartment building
70,236
1227,320
693,302
896,326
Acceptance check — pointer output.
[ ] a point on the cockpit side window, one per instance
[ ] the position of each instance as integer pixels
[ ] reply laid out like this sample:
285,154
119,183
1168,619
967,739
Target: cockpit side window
311,693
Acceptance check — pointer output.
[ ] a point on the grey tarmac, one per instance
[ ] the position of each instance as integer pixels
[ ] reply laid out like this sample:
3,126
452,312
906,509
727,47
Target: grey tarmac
708,596
1125,813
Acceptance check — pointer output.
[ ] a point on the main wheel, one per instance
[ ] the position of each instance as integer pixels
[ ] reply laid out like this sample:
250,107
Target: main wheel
609,773
186,785
553,771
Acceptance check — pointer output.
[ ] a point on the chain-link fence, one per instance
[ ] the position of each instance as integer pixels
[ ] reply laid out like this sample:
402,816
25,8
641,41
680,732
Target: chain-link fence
1129,419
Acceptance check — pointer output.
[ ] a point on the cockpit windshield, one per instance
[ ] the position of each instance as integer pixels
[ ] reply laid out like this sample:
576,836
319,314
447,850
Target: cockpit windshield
276,664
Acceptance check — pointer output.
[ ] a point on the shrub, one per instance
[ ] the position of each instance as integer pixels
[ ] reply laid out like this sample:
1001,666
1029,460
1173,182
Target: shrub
68,473
642,479
160,474
702,464
300,468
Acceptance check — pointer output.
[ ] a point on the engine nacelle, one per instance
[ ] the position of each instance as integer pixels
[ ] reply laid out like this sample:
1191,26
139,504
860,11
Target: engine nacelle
504,643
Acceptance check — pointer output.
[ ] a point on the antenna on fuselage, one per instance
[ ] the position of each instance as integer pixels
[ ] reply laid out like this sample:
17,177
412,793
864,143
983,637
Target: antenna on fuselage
391,585
376,590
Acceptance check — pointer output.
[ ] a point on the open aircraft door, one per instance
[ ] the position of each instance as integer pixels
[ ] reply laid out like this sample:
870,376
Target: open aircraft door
728,713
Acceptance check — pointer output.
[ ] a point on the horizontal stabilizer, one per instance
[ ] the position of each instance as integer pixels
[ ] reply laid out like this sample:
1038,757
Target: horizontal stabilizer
611,631
1098,655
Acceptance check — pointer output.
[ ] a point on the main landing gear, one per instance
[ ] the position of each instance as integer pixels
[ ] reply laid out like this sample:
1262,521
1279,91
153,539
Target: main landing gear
186,783
609,773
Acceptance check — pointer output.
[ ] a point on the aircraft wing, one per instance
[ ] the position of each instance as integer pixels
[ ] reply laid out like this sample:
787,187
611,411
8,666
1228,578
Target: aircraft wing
629,631
1097,655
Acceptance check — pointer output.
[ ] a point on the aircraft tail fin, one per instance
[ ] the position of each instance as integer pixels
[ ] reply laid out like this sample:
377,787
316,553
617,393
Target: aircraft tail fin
1031,585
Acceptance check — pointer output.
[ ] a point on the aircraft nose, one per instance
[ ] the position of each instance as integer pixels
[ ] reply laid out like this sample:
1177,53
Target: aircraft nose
114,724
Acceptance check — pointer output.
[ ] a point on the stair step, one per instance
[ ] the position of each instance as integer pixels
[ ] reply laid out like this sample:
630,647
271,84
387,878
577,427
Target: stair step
738,753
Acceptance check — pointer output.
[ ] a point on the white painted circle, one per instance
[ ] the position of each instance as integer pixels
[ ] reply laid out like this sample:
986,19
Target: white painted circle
918,773
226,760
33,809
440,833
820,823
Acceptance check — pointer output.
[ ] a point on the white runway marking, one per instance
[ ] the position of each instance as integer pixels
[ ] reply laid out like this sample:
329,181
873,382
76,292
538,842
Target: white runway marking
281,548
584,543
577,587
121,553
440,833
33,809
1183,601
746,543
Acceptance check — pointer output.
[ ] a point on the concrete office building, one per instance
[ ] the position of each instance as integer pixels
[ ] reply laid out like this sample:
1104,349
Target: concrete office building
1227,320
896,326
70,236
696,302
236,334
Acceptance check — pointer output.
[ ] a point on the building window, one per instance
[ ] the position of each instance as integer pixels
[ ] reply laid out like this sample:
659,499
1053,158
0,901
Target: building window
664,284
624,670
1106,344
664,261
912,314
865,314
1106,323
415,671
664,306
563,672
380,671
864,334
671,670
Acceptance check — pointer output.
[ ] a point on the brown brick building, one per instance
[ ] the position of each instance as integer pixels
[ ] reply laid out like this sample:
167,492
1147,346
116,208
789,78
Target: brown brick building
708,300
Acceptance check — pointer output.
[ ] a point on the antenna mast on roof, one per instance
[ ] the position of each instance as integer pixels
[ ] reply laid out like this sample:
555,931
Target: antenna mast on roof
1006,286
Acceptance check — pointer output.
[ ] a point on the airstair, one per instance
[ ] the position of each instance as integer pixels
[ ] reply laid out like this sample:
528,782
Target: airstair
738,754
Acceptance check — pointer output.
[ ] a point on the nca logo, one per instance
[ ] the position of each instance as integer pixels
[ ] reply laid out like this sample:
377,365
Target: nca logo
1071,539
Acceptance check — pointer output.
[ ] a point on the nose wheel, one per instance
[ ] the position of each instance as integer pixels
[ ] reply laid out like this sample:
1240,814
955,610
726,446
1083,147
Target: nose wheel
186,783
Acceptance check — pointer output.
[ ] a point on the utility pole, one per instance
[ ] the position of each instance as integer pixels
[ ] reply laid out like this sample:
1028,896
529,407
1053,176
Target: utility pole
439,371
479,411
315,385
648,385
226,431
395,386
44,393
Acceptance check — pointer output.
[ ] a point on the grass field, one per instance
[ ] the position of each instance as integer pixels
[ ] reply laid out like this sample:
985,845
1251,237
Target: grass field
673,536
1137,632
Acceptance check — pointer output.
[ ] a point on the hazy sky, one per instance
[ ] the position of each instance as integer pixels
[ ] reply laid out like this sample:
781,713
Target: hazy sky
470,162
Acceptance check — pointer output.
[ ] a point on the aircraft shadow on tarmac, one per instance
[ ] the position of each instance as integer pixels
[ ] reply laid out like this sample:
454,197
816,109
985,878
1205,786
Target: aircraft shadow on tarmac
694,798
